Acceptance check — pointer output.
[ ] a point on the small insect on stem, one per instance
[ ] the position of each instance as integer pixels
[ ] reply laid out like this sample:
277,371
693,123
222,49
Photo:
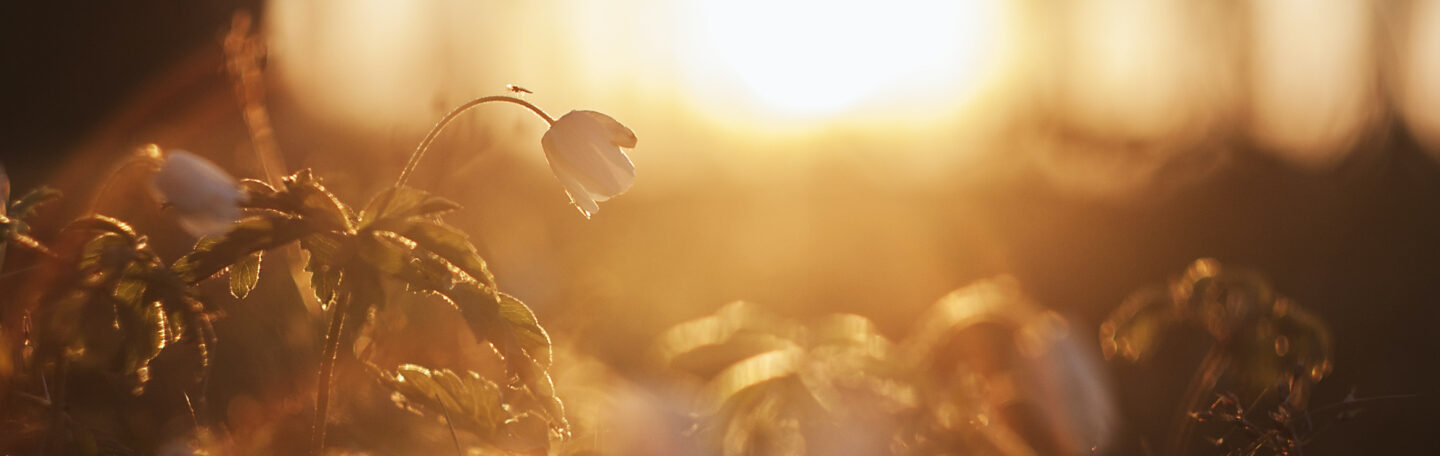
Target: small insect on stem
517,89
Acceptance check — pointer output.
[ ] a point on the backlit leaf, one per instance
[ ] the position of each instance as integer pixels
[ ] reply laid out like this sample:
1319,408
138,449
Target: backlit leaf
385,251
255,233
511,327
473,402
734,332
145,335
260,195
328,251
526,329
24,206
104,224
129,291
401,203
244,274
101,250
316,204
451,244
748,373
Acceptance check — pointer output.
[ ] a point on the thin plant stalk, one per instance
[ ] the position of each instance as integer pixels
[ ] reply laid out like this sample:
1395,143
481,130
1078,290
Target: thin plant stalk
1203,381
454,437
440,125
337,319
444,121
148,155
327,370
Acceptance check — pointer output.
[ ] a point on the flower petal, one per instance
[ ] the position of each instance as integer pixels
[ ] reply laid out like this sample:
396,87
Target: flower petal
204,198
617,133
583,143
583,148
580,197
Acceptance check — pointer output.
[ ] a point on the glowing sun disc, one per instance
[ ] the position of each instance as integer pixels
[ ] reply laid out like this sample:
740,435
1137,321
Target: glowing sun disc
824,55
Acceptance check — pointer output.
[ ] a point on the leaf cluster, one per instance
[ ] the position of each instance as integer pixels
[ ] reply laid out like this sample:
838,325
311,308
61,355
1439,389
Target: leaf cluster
766,383
1264,337
958,384
152,305
398,237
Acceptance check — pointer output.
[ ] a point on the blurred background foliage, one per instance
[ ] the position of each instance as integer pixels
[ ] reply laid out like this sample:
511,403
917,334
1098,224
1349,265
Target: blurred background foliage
1087,149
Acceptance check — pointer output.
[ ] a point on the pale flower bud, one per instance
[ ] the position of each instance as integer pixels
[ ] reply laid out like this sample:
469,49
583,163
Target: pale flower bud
583,148
204,198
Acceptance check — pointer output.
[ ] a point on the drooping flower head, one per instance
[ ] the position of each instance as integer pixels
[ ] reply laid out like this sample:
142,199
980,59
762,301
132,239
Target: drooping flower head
204,198
583,148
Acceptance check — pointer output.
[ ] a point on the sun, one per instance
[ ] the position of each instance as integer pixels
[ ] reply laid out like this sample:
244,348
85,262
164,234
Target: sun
809,56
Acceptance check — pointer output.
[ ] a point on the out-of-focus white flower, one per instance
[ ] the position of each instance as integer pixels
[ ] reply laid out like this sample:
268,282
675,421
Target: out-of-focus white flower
583,148
204,198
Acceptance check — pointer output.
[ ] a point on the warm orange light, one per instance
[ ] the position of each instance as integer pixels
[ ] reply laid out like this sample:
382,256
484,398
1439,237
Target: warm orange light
815,56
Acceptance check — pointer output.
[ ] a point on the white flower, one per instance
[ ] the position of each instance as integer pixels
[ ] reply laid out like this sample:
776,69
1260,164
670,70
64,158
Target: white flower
583,148
205,199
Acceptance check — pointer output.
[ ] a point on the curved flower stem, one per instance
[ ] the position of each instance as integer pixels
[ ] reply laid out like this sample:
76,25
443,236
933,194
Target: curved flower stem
327,369
444,121
150,155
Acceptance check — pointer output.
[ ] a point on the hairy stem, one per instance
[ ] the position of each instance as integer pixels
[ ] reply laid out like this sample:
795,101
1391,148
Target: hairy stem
327,369
149,155
444,121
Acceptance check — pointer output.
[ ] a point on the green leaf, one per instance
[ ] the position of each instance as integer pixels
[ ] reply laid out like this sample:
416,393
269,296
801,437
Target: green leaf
255,233
129,291
328,251
327,247
400,203
473,402
853,331
325,283
736,331
748,373
316,204
177,327
537,379
367,295
104,224
385,251
98,251
450,244
526,330
260,195
512,328
478,305
430,273
395,255
29,242
145,331
24,206
244,274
